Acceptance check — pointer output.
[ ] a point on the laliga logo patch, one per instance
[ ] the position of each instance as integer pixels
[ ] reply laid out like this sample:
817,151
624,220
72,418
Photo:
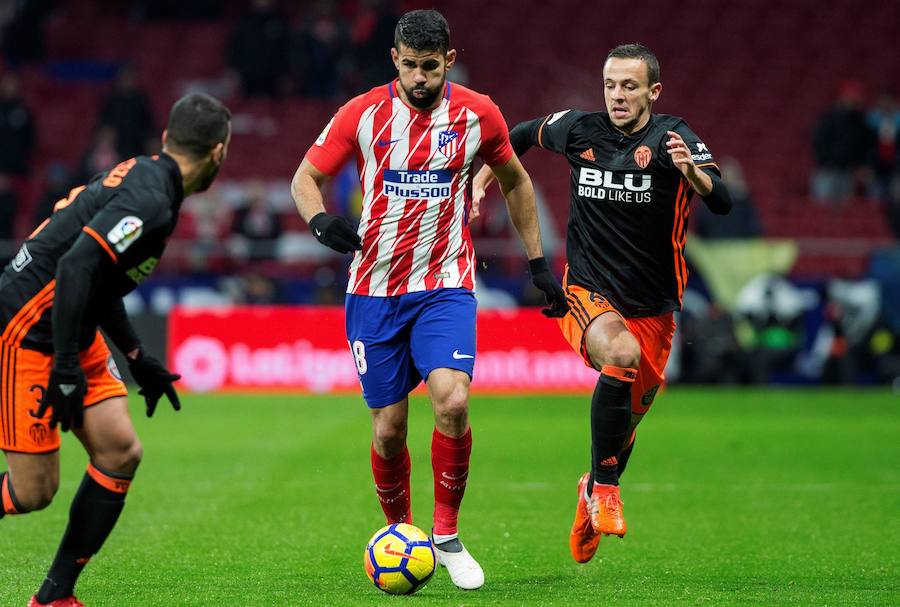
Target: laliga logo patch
642,156
125,232
113,368
649,395
448,143
324,134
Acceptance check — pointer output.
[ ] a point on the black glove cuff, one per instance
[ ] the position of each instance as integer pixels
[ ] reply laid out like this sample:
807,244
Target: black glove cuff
316,222
136,359
538,265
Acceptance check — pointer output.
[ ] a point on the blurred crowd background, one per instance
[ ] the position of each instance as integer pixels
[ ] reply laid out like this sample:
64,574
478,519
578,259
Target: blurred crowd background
797,99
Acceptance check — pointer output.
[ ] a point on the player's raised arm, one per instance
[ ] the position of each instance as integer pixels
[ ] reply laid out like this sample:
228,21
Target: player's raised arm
692,158
519,193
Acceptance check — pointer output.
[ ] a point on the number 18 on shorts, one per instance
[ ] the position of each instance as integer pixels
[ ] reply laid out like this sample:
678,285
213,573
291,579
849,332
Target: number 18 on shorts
397,341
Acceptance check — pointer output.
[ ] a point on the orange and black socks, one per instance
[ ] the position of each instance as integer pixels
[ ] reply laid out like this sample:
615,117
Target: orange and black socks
392,485
450,464
610,420
8,502
94,512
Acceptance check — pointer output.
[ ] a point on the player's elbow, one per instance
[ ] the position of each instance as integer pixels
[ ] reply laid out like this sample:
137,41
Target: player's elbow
517,188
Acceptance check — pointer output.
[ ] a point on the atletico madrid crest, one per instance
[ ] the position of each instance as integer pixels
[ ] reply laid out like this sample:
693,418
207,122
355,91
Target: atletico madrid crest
448,143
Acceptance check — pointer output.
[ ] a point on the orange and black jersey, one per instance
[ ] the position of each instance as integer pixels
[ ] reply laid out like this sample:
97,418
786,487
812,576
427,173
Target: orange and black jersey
629,205
69,277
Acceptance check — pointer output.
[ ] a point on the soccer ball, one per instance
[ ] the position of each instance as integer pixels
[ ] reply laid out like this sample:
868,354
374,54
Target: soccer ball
399,559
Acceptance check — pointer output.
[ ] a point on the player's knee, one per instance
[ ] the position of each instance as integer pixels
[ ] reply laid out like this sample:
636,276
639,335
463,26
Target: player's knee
124,459
623,351
35,495
390,439
453,404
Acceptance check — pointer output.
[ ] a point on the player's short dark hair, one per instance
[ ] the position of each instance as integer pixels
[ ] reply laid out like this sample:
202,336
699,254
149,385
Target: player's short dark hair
197,124
638,51
423,30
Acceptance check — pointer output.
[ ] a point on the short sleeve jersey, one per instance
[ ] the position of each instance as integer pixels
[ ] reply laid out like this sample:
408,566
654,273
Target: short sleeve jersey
629,207
415,169
129,211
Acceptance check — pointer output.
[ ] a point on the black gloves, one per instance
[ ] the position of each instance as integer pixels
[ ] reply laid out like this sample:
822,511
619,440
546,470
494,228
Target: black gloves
544,280
154,380
335,231
65,394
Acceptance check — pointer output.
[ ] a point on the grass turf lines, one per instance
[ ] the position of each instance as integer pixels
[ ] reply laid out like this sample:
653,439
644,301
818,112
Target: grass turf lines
733,497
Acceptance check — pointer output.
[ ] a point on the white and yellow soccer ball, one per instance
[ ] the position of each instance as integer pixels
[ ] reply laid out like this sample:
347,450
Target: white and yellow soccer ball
399,559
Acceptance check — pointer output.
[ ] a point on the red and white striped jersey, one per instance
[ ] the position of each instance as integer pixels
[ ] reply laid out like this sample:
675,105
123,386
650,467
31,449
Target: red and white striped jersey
415,169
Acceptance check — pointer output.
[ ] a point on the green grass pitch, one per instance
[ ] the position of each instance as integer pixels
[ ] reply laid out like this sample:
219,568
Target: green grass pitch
733,497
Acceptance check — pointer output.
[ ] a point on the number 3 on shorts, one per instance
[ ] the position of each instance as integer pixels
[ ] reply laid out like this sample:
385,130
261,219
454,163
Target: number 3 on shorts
359,355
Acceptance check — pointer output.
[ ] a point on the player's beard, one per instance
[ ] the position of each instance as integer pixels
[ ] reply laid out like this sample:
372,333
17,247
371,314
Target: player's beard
428,99
209,175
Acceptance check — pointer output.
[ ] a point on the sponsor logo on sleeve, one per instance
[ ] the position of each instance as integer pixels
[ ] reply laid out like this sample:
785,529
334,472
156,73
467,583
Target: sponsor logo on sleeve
143,270
702,153
125,233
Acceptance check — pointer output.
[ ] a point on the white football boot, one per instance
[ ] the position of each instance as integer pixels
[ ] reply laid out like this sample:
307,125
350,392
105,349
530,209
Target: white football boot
464,570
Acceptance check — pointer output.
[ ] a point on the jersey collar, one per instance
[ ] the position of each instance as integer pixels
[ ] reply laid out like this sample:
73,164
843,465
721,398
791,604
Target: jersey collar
175,175
635,135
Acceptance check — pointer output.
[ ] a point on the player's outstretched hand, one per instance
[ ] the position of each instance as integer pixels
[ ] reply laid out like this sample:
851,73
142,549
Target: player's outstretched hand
478,194
335,231
480,184
155,381
681,155
65,395
544,280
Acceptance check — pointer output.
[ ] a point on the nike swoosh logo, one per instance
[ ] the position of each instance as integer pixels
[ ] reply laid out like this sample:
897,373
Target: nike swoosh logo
459,356
318,233
382,143
450,477
391,552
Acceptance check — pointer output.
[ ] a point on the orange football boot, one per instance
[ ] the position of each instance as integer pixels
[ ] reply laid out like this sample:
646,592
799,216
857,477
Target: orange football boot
69,601
605,507
583,540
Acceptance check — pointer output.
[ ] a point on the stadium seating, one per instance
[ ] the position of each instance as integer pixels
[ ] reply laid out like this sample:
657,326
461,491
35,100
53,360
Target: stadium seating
749,76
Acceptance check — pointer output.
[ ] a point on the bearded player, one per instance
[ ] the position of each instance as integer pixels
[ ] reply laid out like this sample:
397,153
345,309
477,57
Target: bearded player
67,280
410,306
633,176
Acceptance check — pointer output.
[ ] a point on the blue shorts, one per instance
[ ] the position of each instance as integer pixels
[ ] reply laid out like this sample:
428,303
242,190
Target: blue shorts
397,341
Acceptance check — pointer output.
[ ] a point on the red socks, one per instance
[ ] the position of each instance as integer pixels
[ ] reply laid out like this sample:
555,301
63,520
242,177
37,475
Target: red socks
450,463
392,485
